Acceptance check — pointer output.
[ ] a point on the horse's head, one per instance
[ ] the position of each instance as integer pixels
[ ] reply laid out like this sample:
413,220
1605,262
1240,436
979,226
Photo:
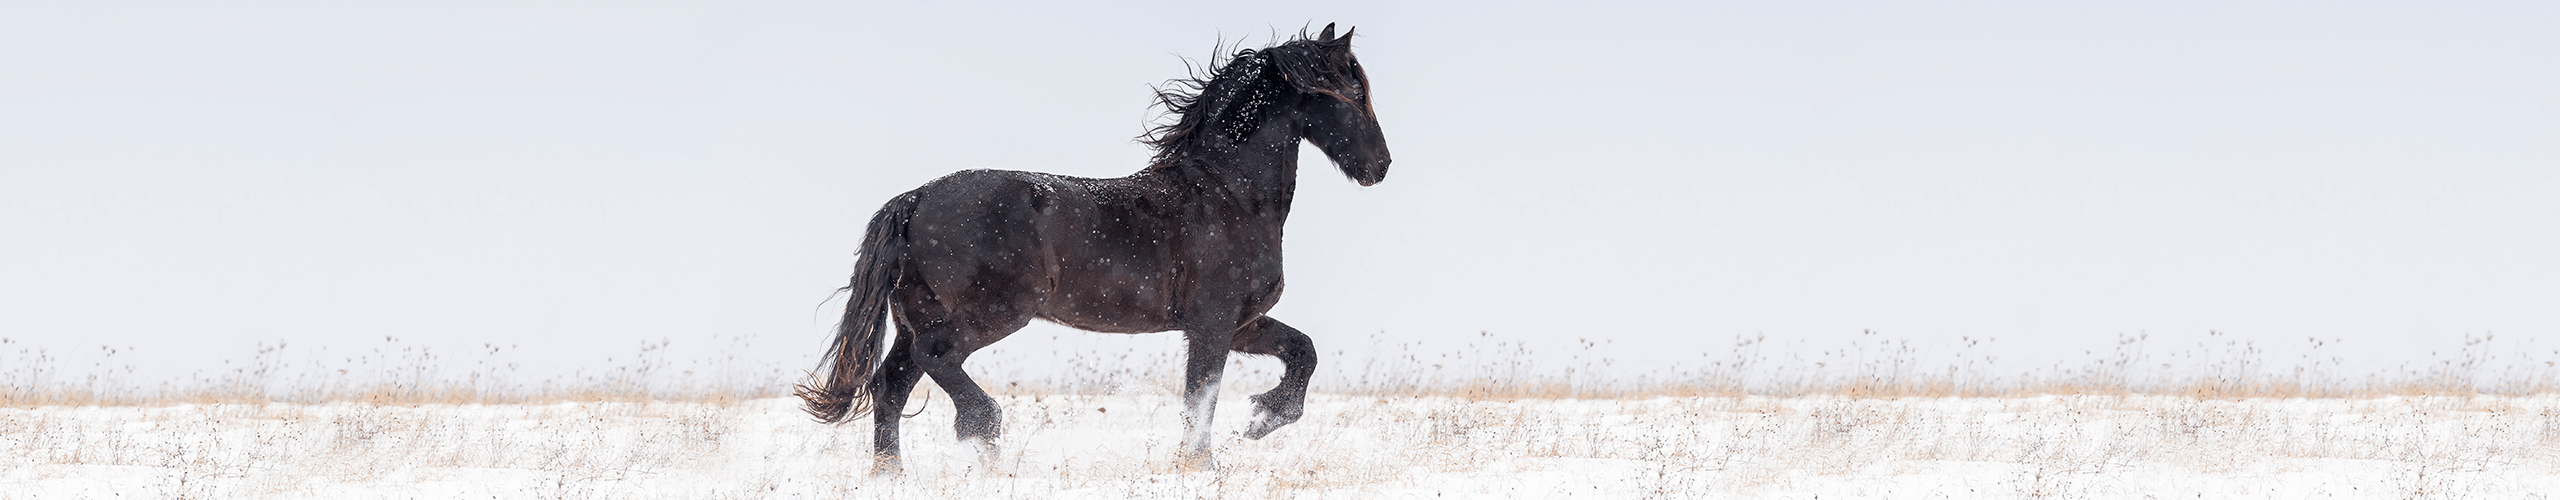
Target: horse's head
1333,109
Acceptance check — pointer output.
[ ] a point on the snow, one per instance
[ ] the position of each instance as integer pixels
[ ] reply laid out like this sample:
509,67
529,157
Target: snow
1347,446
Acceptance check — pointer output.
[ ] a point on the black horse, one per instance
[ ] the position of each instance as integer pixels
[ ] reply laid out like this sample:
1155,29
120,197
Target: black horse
1191,243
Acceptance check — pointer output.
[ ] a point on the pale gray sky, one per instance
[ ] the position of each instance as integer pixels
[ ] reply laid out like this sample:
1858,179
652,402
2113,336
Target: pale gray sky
193,179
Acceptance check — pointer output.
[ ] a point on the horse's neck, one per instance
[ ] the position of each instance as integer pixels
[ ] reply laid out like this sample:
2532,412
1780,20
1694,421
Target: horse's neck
1262,184
1258,175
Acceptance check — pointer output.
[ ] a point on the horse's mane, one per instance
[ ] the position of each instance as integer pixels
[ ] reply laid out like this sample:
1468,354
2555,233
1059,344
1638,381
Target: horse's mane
1231,93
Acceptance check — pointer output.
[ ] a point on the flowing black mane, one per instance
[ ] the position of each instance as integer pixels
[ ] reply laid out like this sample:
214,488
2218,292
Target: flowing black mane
1234,96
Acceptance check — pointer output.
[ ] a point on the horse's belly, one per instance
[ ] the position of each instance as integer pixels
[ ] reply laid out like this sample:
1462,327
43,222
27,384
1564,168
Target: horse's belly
1109,302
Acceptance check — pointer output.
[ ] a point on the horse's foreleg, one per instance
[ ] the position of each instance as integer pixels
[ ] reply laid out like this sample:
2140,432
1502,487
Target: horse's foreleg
1204,364
1283,404
897,378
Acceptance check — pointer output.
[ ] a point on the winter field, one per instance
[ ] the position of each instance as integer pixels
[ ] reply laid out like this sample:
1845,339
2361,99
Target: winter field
1111,433
1350,446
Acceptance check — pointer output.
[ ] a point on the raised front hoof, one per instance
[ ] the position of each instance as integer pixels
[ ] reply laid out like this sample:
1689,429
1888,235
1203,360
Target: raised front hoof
1267,419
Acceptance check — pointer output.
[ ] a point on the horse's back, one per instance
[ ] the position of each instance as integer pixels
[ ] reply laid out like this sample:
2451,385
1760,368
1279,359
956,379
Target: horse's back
994,246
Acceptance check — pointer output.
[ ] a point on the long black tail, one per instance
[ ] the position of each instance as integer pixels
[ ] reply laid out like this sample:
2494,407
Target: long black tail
842,388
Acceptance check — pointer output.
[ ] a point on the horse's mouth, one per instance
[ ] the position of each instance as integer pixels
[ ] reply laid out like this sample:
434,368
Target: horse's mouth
1367,173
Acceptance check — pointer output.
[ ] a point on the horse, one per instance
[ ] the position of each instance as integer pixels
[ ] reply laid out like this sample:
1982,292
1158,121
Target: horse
1189,243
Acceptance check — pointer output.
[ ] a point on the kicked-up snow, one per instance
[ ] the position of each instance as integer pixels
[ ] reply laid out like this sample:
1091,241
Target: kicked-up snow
1347,446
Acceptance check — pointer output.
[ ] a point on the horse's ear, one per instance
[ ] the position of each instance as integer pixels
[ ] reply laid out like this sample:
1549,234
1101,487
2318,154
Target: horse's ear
1327,37
1346,34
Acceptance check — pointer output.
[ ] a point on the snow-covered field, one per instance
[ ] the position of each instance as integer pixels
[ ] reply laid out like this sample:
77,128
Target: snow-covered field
1348,446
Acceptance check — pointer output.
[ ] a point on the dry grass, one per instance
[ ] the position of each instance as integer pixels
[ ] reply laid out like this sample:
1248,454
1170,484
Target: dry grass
1876,368
392,374
1490,369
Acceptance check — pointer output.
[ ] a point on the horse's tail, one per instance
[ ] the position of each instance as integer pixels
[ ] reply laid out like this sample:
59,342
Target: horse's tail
842,388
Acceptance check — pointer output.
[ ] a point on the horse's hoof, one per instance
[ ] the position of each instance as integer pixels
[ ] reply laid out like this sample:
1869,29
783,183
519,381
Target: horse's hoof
887,467
986,451
1266,420
1195,461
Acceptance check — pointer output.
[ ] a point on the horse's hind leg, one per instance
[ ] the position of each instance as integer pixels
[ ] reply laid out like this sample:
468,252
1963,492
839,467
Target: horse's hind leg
897,377
1297,353
941,353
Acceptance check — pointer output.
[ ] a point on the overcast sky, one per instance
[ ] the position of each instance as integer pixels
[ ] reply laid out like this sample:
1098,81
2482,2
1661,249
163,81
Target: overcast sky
193,179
